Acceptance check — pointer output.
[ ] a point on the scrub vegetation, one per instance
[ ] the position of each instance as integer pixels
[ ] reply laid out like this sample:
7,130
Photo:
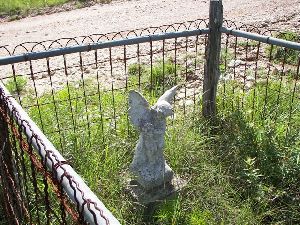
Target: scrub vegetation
242,167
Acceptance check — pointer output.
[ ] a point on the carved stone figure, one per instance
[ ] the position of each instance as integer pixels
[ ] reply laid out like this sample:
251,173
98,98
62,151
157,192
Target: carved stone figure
149,165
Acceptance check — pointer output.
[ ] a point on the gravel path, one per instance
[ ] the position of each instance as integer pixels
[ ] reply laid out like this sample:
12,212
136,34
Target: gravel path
124,15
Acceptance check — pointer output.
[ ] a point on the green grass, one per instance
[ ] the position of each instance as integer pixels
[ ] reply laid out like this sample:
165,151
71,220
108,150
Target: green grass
16,85
225,57
248,43
16,9
13,7
242,168
104,164
261,144
158,78
280,54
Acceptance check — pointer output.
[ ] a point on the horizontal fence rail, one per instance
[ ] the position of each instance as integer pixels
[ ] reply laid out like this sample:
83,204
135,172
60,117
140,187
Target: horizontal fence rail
261,38
143,39
86,201
95,46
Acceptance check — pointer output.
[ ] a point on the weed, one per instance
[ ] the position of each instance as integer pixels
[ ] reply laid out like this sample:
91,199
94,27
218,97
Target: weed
280,54
17,84
164,74
225,56
157,78
136,69
247,43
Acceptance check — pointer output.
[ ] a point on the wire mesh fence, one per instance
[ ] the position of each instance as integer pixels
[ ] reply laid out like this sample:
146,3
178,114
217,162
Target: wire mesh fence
37,185
91,83
79,100
28,196
261,80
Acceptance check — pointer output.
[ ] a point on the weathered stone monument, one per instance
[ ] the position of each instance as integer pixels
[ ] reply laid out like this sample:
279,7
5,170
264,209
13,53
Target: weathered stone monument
153,177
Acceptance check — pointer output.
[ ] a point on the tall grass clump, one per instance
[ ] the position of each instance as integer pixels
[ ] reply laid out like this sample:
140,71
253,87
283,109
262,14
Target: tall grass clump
260,147
17,84
157,78
280,54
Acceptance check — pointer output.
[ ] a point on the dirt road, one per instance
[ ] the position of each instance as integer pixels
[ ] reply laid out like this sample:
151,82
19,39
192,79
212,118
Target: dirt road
123,15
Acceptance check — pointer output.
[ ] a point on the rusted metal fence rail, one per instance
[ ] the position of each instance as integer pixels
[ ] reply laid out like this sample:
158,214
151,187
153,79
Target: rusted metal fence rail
94,46
261,38
37,182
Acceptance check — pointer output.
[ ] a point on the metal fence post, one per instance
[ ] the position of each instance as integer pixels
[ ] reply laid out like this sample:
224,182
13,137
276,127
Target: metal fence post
212,55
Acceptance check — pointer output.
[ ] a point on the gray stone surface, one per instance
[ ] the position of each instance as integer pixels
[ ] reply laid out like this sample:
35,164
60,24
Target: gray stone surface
156,194
149,166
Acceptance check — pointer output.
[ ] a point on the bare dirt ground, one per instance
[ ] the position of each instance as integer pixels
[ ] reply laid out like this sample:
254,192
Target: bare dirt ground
124,15
128,15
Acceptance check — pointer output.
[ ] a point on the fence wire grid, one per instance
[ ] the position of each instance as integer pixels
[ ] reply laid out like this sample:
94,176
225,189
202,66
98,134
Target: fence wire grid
36,185
79,100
